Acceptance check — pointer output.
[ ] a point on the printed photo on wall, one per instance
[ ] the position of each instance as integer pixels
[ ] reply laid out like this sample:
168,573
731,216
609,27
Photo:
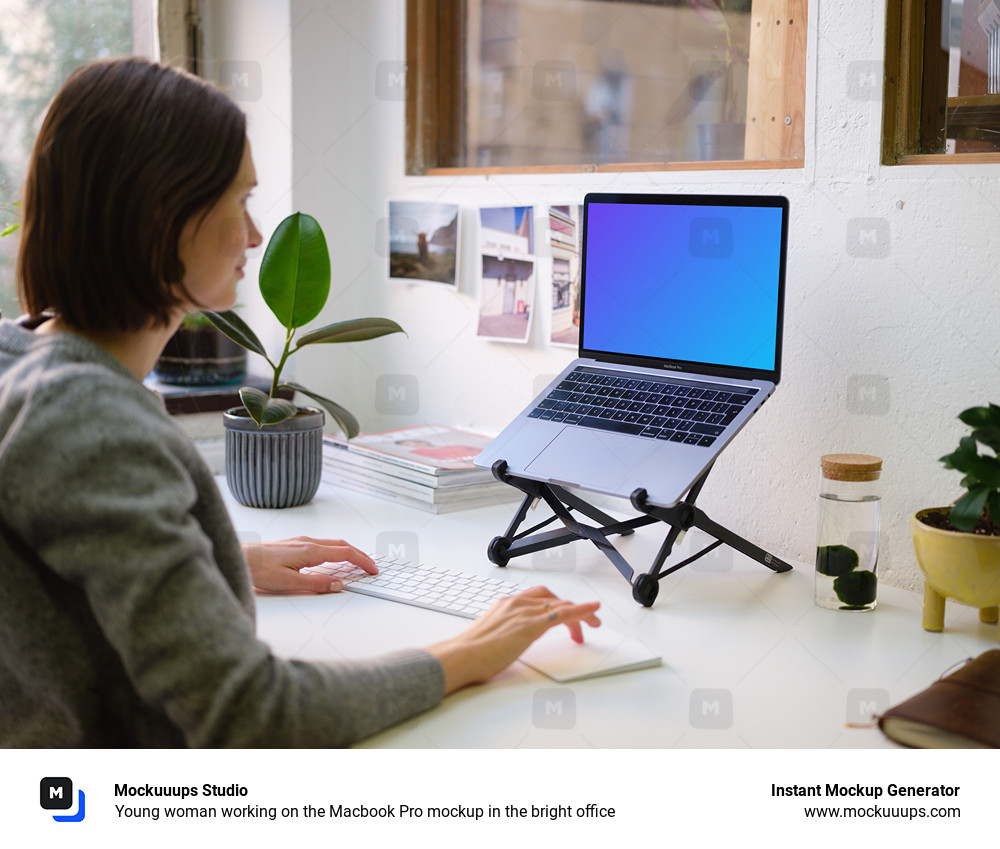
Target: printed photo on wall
423,241
565,228
507,287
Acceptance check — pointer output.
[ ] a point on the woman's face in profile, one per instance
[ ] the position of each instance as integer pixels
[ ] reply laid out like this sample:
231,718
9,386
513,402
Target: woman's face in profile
213,245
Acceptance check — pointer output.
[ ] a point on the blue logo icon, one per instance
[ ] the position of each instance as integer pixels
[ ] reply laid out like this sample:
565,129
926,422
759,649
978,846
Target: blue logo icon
56,794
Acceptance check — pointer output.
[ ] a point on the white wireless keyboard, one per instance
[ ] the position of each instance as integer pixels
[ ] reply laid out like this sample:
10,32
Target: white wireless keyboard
444,590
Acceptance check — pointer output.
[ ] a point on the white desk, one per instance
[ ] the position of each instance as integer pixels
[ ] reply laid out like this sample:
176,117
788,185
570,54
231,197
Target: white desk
748,660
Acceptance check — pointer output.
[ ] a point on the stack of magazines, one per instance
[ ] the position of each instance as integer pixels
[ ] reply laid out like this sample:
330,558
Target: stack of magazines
429,467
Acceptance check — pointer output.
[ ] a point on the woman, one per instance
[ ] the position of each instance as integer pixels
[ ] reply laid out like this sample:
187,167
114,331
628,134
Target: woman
126,608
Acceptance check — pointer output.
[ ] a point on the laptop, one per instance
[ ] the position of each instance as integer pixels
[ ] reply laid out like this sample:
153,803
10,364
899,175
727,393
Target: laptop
681,314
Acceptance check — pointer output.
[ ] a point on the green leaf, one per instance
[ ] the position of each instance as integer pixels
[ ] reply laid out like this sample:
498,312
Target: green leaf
969,482
196,319
295,271
988,436
354,330
236,329
986,470
981,416
993,506
966,511
266,410
963,458
10,228
345,420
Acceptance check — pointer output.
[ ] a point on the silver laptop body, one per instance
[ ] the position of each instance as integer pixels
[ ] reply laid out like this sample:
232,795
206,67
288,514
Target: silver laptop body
682,300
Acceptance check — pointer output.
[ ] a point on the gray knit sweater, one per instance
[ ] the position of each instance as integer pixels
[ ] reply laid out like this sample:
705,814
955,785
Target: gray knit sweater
126,613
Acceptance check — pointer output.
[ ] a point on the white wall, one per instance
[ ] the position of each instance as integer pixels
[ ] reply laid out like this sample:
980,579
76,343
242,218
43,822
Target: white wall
881,352
247,51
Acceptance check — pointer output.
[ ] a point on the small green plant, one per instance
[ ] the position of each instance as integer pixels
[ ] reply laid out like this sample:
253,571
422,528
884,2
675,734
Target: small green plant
836,561
295,284
856,588
982,471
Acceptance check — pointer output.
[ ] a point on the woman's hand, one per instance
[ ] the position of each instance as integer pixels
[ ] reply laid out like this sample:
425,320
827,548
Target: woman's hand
498,637
274,566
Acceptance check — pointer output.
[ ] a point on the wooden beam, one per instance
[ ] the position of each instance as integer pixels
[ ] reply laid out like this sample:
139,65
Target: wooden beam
950,159
934,83
450,94
776,82
902,99
421,129
623,167
435,93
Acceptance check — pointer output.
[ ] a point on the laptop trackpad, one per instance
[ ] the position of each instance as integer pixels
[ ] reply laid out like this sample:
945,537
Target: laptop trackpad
592,458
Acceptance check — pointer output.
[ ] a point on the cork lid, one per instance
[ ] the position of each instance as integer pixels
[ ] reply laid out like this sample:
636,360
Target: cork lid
851,467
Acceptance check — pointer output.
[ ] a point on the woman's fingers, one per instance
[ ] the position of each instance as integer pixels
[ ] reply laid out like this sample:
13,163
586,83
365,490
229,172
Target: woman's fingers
572,616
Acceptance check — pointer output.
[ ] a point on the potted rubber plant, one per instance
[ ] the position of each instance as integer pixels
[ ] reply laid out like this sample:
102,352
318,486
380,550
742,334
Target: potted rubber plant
273,447
958,547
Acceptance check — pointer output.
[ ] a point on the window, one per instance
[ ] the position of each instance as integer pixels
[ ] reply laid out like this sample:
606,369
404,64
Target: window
582,85
41,42
941,82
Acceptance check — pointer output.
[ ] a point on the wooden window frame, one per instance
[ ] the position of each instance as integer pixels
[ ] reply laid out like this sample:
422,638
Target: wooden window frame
435,94
916,109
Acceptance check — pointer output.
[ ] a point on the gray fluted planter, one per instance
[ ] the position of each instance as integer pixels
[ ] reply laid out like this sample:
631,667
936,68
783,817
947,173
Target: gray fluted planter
277,465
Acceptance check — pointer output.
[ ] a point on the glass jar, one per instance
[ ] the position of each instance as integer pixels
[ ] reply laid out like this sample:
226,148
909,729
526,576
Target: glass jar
847,546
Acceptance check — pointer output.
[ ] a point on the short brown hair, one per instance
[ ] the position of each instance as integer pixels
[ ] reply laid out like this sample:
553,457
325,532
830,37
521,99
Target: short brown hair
129,151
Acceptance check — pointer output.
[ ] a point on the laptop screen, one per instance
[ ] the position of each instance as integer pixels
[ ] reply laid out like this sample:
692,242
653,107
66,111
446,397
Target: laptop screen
690,282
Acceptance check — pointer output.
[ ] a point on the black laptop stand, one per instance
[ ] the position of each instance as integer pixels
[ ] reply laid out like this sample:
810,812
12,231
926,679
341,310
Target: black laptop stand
645,587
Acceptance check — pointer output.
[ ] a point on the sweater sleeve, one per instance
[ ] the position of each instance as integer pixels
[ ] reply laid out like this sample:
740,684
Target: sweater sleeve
115,513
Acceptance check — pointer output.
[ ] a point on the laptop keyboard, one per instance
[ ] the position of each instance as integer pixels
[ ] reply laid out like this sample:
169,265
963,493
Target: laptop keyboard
443,590
695,414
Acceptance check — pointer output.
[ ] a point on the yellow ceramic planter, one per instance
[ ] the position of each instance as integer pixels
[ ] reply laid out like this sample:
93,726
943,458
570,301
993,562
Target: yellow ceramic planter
961,566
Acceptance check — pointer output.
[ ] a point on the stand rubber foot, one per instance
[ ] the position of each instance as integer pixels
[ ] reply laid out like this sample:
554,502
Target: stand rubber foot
496,551
645,590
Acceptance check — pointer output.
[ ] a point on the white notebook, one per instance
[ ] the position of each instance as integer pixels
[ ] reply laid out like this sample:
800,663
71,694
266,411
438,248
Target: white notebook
603,652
